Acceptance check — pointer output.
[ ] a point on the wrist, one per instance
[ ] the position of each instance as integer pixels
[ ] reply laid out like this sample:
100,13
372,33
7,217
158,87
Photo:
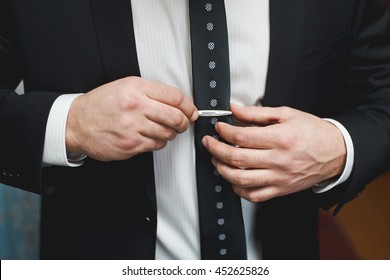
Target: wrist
54,152
348,165
339,151
72,132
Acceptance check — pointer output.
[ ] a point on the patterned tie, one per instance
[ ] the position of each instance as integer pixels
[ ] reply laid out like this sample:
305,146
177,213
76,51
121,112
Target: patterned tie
222,234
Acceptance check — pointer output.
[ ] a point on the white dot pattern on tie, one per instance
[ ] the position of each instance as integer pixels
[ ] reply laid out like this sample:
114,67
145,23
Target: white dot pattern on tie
222,237
250,21
213,18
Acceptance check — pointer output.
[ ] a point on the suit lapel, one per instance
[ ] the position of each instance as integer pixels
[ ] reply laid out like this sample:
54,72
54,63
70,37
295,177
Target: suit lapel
286,41
113,22
115,36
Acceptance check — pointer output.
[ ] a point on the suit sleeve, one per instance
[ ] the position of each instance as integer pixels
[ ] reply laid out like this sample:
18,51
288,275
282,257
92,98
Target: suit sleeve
368,119
22,117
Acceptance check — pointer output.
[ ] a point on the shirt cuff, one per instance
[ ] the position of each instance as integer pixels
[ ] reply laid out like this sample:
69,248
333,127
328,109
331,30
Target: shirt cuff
54,151
331,183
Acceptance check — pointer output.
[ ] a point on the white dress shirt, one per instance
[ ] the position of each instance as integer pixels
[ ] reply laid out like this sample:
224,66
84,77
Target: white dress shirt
164,53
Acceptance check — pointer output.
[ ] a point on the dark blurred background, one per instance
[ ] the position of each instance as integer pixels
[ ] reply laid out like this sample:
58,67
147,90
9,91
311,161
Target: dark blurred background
19,222
362,229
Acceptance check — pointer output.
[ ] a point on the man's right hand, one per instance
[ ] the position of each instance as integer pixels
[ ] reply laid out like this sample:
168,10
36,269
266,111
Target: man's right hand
126,117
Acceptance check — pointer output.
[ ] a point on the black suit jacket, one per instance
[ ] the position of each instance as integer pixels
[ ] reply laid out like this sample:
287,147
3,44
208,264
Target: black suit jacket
328,57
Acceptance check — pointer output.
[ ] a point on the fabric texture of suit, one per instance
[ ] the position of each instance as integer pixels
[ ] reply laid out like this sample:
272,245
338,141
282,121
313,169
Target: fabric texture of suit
328,58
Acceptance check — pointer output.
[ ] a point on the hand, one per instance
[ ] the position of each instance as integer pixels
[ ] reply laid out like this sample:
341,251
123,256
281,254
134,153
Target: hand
283,152
126,117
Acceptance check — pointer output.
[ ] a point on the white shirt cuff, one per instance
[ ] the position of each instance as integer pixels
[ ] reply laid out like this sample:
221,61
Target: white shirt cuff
54,151
331,183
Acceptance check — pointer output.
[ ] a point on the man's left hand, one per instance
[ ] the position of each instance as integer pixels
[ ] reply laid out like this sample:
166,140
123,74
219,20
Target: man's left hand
280,151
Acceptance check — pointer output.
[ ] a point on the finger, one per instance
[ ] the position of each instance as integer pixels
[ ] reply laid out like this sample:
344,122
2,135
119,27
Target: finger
248,137
260,115
146,144
245,178
173,97
132,145
167,116
259,194
158,131
238,157
154,145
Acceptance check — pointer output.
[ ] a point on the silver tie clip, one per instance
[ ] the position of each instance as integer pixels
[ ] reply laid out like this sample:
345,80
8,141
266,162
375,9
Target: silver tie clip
213,113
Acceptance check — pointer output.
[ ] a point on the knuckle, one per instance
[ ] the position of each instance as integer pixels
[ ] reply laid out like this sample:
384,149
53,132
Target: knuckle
158,145
176,97
253,197
169,134
235,159
283,162
240,139
272,192
125,122
258,159
289,140
177,119
130,142
133,81
129,101
286,179
242,180
239,191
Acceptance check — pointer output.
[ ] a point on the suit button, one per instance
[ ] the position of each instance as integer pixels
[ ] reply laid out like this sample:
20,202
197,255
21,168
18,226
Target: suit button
148,220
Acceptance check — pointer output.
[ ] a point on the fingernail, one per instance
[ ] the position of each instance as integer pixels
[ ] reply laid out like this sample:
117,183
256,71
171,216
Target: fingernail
235,105
194,116
218,126
204,142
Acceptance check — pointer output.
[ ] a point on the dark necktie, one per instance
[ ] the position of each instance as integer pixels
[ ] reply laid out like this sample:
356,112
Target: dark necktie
222,234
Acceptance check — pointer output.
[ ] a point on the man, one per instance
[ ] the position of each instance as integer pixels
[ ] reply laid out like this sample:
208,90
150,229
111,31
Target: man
117,175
